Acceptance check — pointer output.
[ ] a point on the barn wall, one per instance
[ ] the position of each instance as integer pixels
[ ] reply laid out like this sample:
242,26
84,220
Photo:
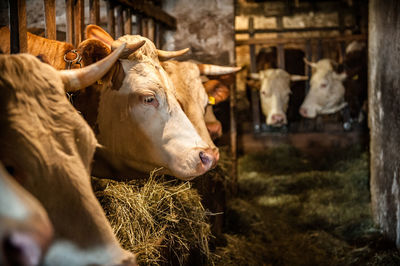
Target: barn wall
206,27
384,110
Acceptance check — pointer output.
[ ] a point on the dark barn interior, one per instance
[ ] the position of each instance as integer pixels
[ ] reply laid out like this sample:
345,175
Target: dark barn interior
272,140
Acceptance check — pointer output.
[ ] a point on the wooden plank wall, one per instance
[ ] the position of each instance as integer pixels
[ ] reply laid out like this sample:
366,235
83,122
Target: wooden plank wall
150,20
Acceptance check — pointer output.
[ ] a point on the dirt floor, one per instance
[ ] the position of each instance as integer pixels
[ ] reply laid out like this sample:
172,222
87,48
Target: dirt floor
294,209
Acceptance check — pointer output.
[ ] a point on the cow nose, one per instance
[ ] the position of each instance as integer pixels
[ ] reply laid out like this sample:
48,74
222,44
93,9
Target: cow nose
277,118
21,249
208,159
303,111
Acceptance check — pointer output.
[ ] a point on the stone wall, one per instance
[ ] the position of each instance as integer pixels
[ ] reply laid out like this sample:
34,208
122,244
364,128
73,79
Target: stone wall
206,27
384,110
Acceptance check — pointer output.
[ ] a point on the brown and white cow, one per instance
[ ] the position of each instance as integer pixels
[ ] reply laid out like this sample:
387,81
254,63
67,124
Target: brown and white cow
25,229
192,95
274,94
326,94
49,147
140,122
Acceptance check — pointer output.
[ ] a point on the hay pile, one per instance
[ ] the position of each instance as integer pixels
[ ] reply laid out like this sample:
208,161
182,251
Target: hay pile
161,221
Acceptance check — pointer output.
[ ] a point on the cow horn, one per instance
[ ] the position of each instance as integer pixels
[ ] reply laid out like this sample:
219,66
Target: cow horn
207,69
255,76
130,48
165,55
311,64
298,78
76,79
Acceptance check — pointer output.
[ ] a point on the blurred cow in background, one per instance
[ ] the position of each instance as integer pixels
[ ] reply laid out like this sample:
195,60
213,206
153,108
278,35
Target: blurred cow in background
332,90
48,148
25,229
274,94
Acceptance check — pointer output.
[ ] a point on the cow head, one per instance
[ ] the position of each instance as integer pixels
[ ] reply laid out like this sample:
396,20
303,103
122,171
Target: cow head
326,94
274,94
192,95
48,148
140,120
25,229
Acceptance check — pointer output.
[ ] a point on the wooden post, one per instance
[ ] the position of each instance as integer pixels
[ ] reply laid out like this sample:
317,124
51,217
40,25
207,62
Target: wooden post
280,48
307,71
255,98
144,26
69,13
157,34
150,29
79,22
18,39
110,19
50,15
139,24
128,21
120,23
319,50
94,12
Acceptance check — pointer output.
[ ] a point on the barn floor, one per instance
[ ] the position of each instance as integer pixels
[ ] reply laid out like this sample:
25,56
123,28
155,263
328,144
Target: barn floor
294,209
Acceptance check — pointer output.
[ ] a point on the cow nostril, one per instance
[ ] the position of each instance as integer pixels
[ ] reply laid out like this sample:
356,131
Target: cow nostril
21,249
303,111
204,158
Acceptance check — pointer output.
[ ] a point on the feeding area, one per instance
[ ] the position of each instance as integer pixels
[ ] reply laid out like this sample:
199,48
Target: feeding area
216,132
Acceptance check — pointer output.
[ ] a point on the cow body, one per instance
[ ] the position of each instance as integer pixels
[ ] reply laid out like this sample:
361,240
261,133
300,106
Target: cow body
50,148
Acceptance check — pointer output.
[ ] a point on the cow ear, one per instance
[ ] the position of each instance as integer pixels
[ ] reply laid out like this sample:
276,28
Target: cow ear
118,76
217,90
298,78
93,50
96,32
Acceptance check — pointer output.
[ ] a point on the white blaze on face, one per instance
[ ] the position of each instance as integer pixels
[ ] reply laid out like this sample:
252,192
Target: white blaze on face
274,95
144,126
326,95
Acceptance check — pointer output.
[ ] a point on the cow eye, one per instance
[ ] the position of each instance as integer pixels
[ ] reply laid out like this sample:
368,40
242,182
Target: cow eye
149,99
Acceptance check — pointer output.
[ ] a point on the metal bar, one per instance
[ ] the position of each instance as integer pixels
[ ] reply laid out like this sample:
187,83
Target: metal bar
18,38
110,19
119,31
50,16
94,12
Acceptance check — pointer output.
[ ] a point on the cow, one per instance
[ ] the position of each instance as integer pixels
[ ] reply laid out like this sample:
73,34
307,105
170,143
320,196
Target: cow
192,95
25,228
332,90
48,148
139,121
135,114
274,94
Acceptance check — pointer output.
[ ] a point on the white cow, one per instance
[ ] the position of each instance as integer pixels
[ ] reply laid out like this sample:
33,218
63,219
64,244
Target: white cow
274,94
326,94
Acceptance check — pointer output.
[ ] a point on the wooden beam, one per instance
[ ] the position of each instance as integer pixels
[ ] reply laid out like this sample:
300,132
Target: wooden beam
18,38
69,13
128,21
151,11
300,40
79,22
94,16
285,30
50,15
110,19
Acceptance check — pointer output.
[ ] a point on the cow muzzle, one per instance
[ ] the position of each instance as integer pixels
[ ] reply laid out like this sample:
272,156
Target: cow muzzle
208,159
